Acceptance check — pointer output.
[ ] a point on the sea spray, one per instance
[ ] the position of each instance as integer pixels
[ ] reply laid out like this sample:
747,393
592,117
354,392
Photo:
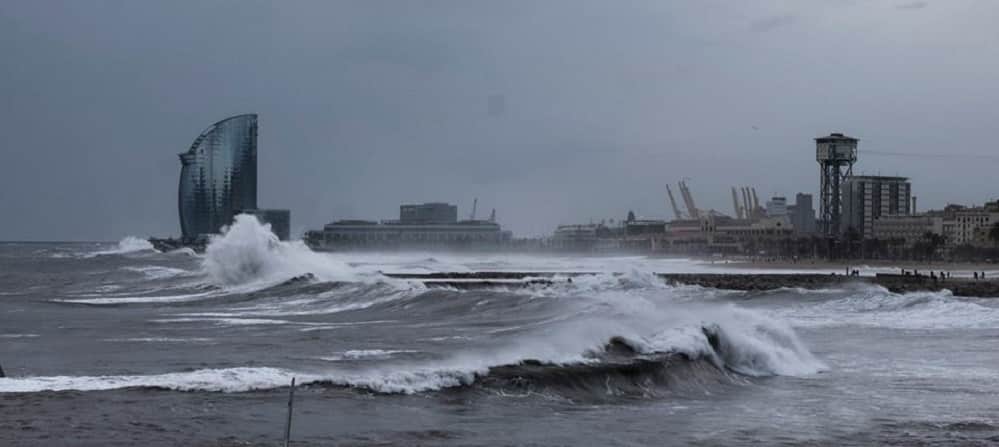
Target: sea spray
248,252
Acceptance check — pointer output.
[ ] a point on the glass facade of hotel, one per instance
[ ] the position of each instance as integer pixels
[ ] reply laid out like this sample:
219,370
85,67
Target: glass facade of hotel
218,176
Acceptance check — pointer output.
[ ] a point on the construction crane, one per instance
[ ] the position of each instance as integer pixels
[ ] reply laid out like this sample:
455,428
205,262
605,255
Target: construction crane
672,202
735,204
747,207
688,200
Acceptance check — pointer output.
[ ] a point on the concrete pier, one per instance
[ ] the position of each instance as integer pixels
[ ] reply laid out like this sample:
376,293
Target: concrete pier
750,282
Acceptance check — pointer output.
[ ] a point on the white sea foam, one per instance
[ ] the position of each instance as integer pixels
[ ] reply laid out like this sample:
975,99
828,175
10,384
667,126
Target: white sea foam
232,321
160,340
358,354
130,244
243,379
186,251
18,335
138,299
158,272
227,380
345,299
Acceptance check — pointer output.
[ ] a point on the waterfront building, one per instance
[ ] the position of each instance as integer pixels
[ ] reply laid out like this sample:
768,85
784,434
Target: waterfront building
279,220
218,176
868,198
908,229
425,226
970,226
584,238
722,234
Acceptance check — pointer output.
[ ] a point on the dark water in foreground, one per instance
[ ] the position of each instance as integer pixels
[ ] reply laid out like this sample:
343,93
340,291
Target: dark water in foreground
133,347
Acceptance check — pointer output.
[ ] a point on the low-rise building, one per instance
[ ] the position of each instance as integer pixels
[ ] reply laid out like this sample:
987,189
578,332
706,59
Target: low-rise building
909,229
717,233
427,226
970,226
584,238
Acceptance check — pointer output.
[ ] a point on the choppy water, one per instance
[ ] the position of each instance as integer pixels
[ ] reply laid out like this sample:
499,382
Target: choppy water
120,345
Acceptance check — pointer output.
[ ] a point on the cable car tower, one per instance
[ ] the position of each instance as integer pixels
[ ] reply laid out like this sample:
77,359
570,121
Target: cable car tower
836,155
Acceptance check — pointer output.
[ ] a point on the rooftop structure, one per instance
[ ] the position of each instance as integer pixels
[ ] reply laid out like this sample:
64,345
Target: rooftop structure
435,212
777,206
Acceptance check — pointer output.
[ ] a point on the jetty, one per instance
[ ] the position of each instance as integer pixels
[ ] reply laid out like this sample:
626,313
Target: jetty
965,287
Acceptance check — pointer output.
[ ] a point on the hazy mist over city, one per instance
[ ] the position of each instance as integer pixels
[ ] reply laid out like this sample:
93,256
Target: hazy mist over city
550,112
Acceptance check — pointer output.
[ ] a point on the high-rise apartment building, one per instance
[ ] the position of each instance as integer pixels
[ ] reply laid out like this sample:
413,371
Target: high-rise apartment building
868,198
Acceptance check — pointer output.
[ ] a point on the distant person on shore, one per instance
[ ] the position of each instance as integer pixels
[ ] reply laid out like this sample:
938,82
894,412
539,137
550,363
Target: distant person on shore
976,275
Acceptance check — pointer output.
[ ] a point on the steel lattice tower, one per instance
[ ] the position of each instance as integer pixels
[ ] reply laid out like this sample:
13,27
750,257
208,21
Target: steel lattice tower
836,155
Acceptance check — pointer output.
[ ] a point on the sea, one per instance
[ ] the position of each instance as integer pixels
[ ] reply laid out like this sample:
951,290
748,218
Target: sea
116,344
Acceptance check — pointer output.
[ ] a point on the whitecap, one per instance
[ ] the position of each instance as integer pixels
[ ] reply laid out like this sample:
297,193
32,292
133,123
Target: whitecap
129,244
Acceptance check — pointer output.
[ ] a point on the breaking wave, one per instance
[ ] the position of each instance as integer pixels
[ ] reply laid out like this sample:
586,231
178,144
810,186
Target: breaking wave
129,244
726,351
247,252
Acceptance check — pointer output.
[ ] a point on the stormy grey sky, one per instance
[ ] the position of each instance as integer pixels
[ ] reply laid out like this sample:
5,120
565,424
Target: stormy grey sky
549,111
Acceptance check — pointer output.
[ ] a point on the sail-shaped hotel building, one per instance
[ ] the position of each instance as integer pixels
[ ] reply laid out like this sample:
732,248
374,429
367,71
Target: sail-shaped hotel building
218,177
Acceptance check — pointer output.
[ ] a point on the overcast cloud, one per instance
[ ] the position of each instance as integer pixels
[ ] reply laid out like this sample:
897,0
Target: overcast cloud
549,111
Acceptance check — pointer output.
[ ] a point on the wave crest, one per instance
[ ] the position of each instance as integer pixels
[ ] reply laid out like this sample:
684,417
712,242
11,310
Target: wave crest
248,252
128,244
676,359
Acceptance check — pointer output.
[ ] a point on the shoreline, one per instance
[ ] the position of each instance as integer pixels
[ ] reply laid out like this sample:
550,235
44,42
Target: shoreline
887,266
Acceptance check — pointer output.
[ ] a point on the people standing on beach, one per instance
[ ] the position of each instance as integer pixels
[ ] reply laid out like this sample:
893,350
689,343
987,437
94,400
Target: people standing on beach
976,275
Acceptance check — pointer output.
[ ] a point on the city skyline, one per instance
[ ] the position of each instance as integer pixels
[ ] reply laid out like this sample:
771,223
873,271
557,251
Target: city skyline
449,102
